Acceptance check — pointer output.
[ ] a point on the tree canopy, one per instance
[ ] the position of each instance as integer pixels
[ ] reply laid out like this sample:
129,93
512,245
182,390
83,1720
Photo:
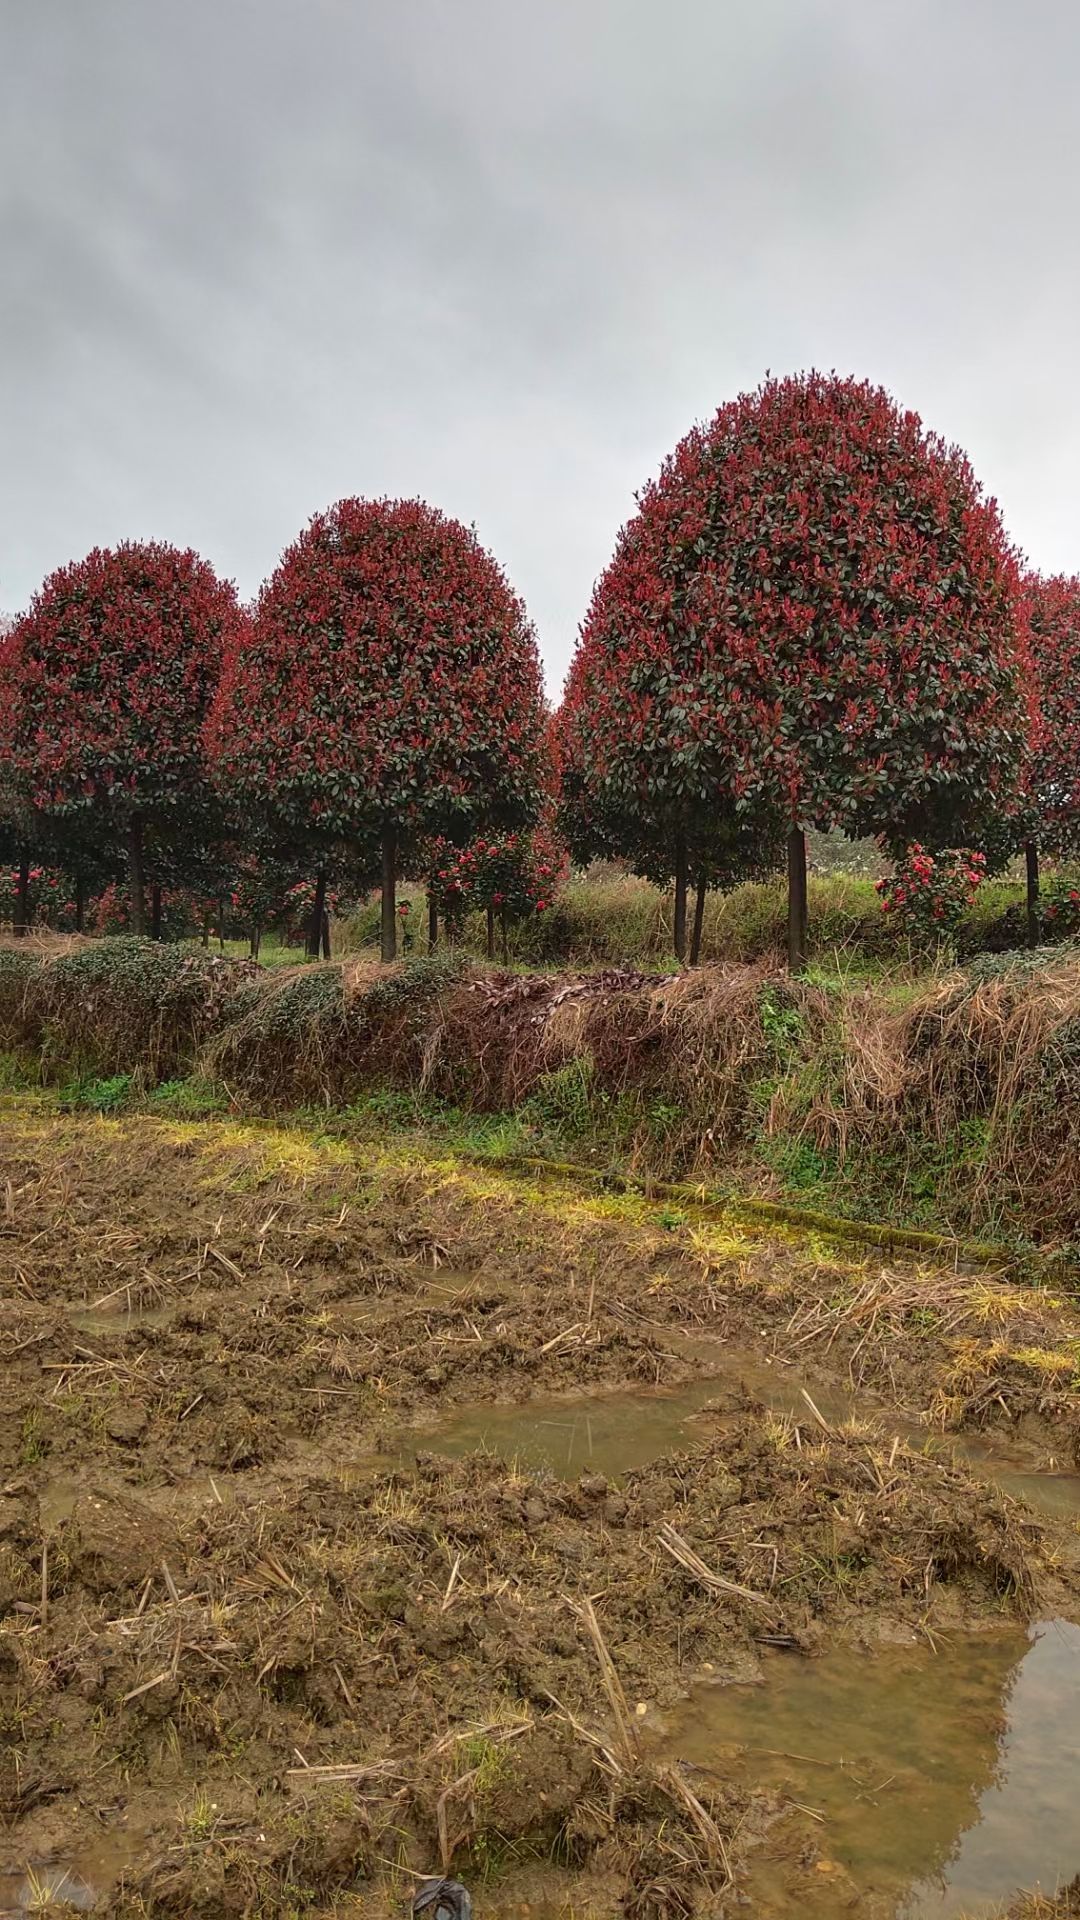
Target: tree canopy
388,689
105,684
814,616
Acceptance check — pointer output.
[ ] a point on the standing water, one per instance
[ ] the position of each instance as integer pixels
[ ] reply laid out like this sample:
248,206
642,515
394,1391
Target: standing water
938,1782
616,1432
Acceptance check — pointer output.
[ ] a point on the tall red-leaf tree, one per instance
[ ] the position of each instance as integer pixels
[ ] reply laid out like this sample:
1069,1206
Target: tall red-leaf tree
1053,770
105,684
388,691
814,613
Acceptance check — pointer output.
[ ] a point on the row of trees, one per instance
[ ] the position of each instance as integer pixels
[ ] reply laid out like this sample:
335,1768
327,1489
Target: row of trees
813,618
383,693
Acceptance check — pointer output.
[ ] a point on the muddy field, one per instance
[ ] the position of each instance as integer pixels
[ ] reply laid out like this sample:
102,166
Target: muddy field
360,1519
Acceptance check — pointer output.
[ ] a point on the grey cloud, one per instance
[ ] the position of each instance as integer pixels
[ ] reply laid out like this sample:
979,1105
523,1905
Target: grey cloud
260,253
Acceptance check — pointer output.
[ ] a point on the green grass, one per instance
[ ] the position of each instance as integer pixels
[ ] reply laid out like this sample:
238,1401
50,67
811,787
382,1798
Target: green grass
33,1446
272,952
606,917
920,1181
190,1099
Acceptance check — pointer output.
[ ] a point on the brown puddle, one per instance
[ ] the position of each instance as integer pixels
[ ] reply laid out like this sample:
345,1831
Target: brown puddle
612,1433
935,1783
607,1433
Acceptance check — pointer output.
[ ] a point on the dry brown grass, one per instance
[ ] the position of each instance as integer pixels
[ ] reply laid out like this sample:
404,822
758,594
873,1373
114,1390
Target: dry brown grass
696,1039
42,941
1063,1905
1000,1055
976,1077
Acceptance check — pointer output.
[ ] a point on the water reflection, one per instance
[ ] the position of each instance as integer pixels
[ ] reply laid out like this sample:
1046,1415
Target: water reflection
611,1433
938,1783
42,1888
935,1783
1027,1829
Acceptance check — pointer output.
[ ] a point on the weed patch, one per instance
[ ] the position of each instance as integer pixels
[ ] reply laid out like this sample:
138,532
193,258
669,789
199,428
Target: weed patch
96,1095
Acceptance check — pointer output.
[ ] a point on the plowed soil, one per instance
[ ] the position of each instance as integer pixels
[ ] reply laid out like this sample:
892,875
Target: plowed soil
255,1661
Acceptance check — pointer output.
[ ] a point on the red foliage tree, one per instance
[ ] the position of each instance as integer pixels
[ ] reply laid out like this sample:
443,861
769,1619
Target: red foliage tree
105,684
1053,768
814,614
388,691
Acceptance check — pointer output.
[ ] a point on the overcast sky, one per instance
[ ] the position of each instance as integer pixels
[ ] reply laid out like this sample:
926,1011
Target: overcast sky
257,254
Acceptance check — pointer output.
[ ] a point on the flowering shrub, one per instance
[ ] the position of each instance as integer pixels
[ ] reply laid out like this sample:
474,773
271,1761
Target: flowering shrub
49,900
450,882
184,913
1059,905
515,875
110,912
929,893
504,877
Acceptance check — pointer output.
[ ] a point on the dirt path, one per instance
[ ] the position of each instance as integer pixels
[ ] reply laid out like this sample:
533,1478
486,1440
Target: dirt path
259,1658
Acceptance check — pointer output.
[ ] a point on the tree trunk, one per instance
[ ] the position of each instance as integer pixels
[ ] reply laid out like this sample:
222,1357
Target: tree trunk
491,933
135,873
796,875
699,918
680,898
21,924
221,923
505,937
206,929
325,935
80,903
256,940
1031,855
432,923
389,895
314,932
155,912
